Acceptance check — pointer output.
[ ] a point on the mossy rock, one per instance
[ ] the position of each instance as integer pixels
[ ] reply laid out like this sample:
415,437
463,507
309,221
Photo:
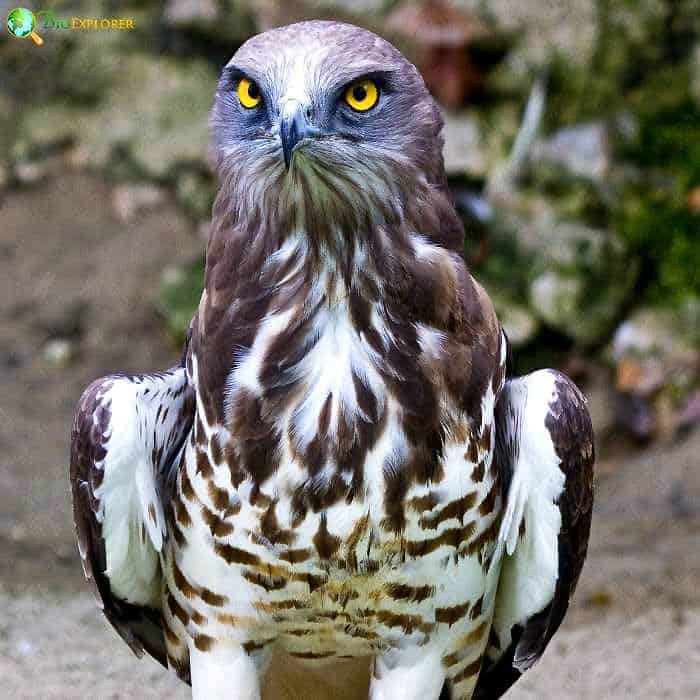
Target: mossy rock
153,116
580,280
656,350
45,125
463,151
90,66
166,123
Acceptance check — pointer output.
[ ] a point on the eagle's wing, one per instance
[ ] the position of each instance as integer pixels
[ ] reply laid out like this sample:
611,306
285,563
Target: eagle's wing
544,450
127,437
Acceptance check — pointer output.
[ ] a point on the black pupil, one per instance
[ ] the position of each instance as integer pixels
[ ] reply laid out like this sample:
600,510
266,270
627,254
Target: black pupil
359,92
253,91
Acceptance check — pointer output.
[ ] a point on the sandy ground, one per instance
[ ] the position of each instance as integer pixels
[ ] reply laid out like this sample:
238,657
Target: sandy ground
68,268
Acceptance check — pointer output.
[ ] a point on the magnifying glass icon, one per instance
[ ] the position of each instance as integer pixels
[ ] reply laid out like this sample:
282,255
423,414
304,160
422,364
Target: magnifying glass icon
21,23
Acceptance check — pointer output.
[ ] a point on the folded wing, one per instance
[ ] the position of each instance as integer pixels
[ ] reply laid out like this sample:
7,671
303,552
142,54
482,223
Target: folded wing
128,434
544,448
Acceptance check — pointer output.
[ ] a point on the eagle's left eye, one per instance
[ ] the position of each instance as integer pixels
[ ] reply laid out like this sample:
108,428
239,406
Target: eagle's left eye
249,93
362,95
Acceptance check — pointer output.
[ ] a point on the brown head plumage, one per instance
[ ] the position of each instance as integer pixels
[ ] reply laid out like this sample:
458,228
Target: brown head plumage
345,165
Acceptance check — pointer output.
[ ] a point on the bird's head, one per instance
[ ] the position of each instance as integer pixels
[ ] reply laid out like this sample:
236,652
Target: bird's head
323,118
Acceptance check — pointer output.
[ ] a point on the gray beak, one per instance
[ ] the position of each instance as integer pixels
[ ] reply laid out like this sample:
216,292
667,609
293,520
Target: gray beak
293,129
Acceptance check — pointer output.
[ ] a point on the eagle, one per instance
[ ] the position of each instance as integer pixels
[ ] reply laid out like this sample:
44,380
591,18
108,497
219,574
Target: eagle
342,467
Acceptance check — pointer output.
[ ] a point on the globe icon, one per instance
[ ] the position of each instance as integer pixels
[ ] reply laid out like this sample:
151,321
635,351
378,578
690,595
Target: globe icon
20,23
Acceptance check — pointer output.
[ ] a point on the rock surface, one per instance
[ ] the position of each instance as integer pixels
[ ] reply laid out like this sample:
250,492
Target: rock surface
581,151
152,118
580,279
657,363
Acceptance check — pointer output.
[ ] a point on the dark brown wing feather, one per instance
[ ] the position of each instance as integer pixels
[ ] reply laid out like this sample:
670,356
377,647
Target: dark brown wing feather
569,425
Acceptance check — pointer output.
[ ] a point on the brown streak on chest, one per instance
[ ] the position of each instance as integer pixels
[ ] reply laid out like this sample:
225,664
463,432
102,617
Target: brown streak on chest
478,472
268,583
213,599
489,503
176,610
452,537
422,467
182,514
257,435
235,555
407,623
326,544
450,615
204,642
204,467
402,591
477,545
217,525
181,582
220,498
485,439
472,453
296,556
455,509
270,529
420,504
186,485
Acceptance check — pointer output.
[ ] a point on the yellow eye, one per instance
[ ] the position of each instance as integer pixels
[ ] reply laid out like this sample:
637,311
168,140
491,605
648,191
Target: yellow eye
362,95
249,93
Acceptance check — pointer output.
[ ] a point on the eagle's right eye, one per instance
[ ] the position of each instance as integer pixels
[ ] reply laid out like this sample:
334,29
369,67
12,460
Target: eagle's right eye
249,93
362,95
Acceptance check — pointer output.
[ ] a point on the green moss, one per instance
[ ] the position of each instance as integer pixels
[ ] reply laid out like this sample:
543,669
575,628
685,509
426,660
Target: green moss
505,267
179,295
641,67
653,215
574,198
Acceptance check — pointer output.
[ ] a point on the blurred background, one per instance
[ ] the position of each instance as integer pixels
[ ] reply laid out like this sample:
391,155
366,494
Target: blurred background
573,150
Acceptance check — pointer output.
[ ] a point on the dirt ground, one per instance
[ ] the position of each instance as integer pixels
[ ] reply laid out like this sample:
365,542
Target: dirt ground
69,269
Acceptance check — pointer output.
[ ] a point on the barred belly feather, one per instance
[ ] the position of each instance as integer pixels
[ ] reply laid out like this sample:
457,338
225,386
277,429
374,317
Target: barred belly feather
333,577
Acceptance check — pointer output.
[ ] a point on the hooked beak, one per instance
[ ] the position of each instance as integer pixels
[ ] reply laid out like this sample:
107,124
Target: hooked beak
293,129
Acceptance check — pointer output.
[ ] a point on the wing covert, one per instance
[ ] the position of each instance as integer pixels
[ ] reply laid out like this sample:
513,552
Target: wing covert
127,436
545,451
